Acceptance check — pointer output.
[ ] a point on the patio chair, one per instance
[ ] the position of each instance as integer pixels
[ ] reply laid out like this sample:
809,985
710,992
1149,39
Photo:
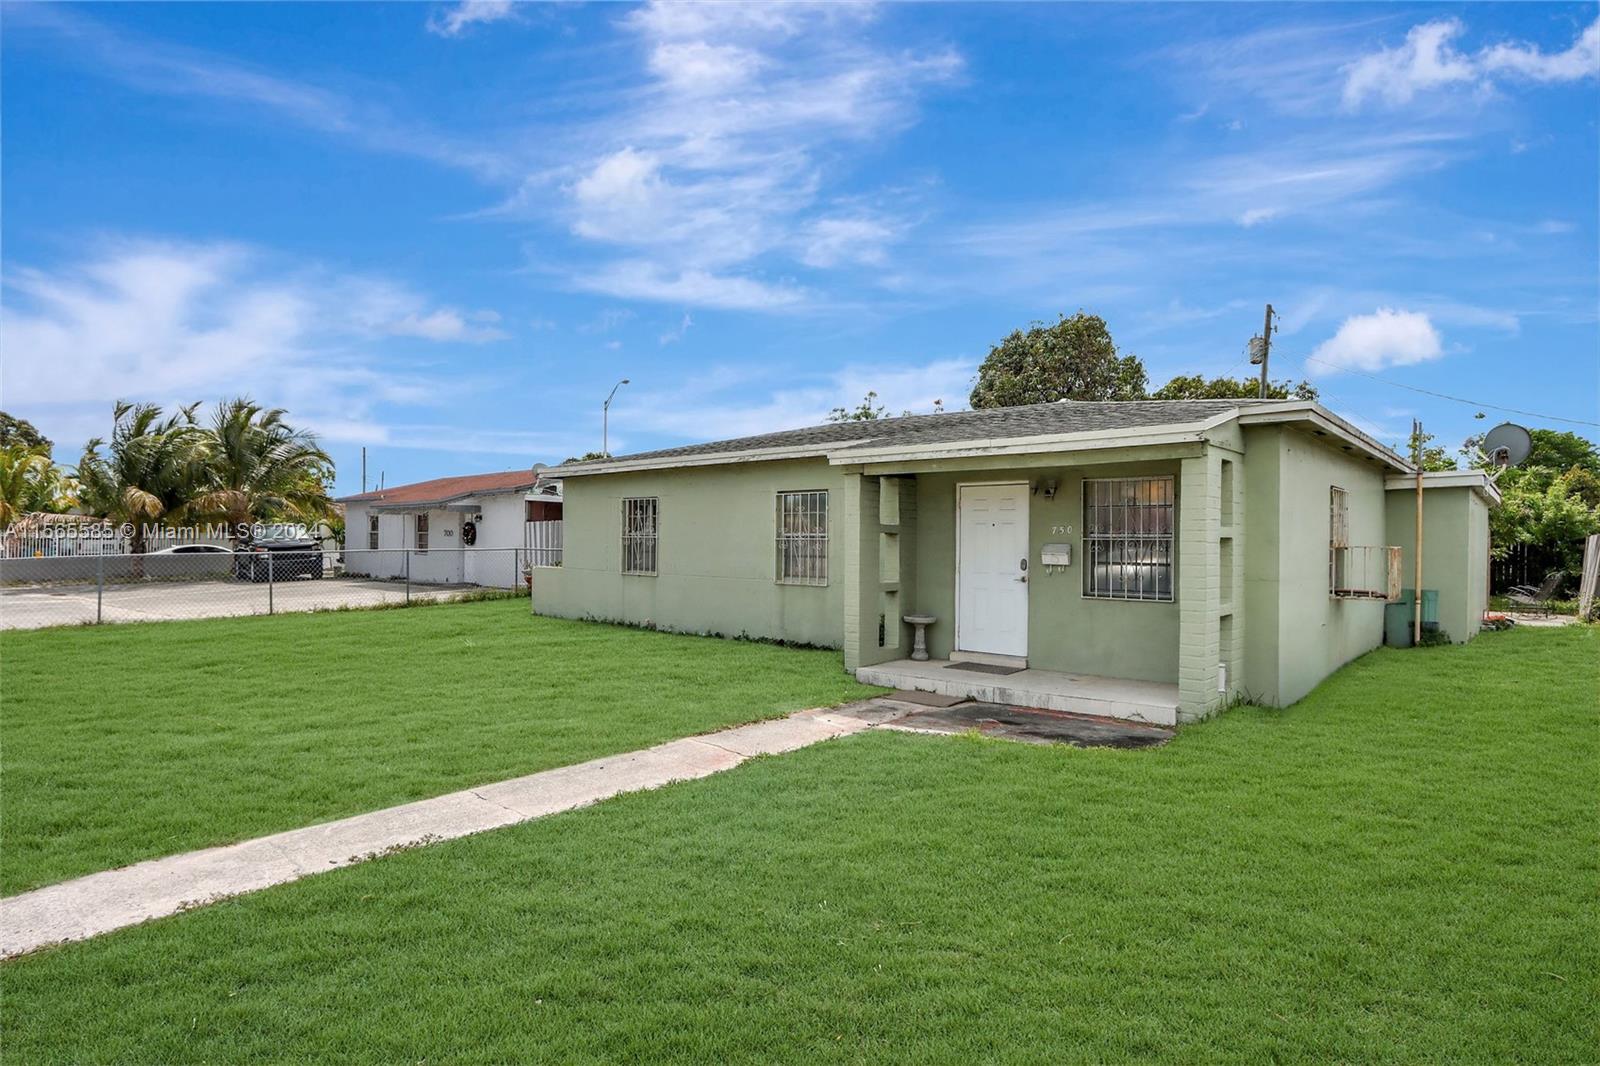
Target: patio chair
1529,598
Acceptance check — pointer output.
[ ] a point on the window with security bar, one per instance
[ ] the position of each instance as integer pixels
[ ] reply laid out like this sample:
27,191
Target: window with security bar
639,523
1338,537
372,532
422,532
803,538
1128,538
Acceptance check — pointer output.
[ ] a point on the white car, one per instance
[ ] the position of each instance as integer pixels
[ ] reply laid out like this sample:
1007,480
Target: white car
195,549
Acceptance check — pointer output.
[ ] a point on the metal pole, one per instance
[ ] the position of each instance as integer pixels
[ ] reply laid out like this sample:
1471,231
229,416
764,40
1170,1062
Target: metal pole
605,419
408,575
99,586
1416,607
1266,349
269,582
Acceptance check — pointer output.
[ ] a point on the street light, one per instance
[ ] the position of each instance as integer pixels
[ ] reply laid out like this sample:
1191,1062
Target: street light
605,420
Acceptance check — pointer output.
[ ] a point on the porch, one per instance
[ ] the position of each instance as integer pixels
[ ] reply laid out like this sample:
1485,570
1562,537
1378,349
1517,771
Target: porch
1113,576
1154,702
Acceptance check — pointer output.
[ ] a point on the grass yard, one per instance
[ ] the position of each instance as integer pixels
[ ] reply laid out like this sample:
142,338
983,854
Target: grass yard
1402,868
126,742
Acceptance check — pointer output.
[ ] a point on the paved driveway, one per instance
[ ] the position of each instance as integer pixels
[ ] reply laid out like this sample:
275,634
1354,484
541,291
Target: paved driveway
36,606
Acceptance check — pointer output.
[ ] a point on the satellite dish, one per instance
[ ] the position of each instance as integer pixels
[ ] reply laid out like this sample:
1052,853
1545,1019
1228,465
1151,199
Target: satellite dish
1507,444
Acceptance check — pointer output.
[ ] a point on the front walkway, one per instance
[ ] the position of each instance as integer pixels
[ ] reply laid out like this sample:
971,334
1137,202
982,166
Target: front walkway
99,903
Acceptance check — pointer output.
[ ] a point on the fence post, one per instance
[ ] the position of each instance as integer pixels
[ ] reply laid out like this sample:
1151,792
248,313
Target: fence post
99,587
269,582
408,576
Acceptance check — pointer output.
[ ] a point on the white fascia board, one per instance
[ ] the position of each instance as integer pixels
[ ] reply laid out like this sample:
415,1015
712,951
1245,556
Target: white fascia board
1314,414
672,462
1054,442
1476,480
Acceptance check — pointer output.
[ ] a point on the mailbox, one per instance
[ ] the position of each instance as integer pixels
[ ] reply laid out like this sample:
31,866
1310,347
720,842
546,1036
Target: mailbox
1056,555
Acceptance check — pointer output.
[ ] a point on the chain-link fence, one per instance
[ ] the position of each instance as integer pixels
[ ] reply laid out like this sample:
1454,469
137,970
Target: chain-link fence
208,581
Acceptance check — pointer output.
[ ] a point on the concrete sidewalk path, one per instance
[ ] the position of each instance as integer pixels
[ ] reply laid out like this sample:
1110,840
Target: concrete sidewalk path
99,903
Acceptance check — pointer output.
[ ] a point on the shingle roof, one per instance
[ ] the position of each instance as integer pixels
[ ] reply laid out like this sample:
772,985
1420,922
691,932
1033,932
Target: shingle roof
443,489
998,423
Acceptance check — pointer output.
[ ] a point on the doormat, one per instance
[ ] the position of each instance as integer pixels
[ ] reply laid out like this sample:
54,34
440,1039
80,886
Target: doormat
986,668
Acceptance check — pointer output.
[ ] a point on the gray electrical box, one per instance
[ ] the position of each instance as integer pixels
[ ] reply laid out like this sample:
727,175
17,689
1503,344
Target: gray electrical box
1056,555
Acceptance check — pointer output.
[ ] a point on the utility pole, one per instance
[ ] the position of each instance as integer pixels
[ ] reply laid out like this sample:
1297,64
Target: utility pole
1261,355
1416,602
363,469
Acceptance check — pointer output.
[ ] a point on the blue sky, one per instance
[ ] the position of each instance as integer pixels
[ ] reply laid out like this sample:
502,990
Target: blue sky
444,231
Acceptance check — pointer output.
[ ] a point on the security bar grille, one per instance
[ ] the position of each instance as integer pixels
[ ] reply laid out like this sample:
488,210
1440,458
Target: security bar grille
1127,538
422,533
372,532
639,535
803,538
1338,537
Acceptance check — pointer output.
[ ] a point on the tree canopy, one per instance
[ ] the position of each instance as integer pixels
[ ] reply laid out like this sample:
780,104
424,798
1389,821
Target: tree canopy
15,432
1073,359
868,410
1549,503
1199,387
247,466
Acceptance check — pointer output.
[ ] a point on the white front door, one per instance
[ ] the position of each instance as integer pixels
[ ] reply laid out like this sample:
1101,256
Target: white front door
992,569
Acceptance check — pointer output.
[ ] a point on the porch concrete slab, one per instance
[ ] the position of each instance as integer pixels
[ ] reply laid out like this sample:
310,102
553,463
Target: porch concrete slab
1034,726
1152,702
924,699
99,903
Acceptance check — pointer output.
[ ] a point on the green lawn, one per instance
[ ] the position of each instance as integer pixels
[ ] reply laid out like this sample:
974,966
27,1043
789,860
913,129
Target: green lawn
1402,868
125,742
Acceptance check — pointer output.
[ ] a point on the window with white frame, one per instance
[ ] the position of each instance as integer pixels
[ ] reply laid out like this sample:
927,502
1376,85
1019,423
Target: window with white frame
422,533
1128,538
1338,537
639,525
803,538
372,531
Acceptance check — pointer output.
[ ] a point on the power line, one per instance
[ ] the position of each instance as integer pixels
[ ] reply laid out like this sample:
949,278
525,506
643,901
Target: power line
1456,399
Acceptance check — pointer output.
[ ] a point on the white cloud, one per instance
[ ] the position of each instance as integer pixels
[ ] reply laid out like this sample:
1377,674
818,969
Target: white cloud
447,324
452,20
643,280
174,70
609,319
696,67
1384,338
715,166
1429,59
673,336
1254,216
828,242
732,402
175,322
1582,60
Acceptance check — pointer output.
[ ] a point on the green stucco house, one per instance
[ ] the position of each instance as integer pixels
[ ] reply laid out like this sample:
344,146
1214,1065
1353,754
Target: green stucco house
1150,560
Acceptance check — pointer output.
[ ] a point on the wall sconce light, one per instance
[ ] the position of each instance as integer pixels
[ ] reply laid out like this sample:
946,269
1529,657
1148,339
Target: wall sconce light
1050,488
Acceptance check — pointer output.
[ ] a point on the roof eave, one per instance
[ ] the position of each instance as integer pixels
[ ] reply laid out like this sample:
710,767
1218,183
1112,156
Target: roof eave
1476,480
1086,440
670,462
1324,421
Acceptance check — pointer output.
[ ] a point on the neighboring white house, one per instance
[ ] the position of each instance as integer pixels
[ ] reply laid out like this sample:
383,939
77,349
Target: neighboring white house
470,530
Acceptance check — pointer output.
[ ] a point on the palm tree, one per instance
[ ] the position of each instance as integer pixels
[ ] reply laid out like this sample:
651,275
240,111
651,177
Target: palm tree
259,468
150,473
31,482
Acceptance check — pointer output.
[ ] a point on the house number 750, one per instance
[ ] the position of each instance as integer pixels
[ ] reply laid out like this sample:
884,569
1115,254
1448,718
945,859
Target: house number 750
1059,530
